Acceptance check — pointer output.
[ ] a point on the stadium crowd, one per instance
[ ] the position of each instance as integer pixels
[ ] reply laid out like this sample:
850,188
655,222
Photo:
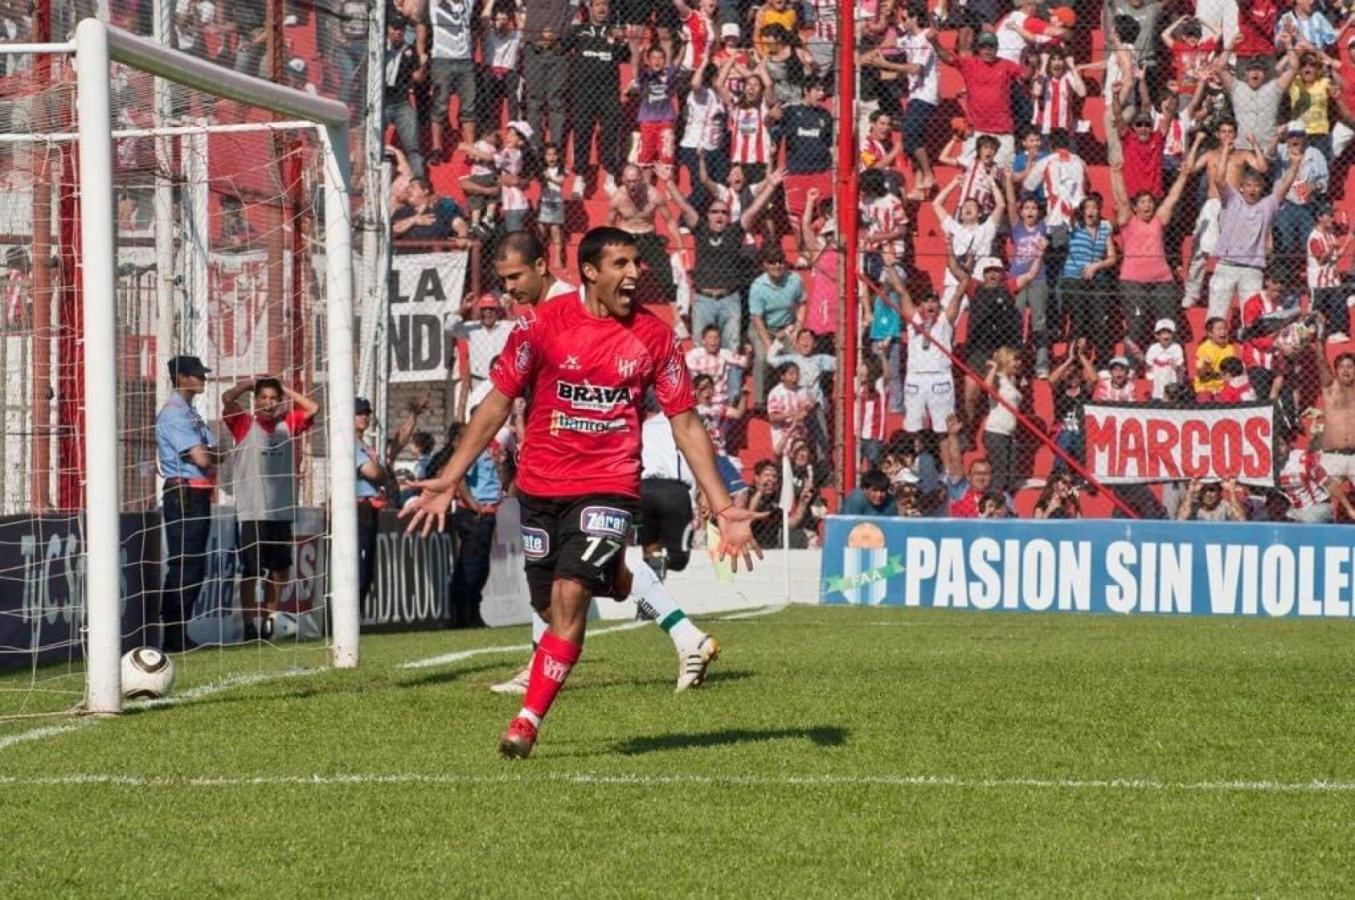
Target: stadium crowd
1134,201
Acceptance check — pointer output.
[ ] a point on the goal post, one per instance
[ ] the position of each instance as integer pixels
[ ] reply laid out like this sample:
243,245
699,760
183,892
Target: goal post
95,47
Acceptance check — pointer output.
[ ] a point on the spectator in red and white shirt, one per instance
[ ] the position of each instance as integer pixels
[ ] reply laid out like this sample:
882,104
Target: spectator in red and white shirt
983,177
1257,349
1307,486
698,33
715,362
887,221
788,408
1113,383
717,415
1063,175
1324,251
1237,387
871,409
1056,89
751,144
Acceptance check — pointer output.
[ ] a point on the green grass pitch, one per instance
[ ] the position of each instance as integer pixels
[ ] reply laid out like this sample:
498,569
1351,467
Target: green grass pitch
834,753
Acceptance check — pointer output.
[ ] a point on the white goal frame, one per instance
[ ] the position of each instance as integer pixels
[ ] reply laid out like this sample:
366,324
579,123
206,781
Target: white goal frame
96,45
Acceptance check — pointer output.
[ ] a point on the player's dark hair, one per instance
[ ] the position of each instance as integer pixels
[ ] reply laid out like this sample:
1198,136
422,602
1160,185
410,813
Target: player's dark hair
875,480
525,245
599,239
273,383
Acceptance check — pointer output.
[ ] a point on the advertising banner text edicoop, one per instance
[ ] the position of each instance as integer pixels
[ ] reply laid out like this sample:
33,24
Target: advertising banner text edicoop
1137,443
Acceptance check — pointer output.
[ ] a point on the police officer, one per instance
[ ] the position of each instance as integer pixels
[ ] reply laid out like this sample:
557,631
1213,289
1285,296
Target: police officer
187,453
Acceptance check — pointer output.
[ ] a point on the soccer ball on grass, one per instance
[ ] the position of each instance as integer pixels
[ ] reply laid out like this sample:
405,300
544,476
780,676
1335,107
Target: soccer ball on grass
147,674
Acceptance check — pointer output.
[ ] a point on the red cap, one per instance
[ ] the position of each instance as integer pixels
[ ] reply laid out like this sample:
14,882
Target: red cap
488,301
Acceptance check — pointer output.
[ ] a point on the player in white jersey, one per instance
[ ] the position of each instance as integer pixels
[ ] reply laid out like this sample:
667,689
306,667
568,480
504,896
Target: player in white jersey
928,385
522,266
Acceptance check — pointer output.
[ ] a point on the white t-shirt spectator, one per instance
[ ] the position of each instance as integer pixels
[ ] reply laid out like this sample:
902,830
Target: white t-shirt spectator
927,347
924,84
783,401
1164,366
1000,419
1063,175
482,344
704,126
451,25
501,51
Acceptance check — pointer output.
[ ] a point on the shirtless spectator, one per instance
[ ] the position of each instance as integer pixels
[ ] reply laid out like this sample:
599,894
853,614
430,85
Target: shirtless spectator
1338,413
634,208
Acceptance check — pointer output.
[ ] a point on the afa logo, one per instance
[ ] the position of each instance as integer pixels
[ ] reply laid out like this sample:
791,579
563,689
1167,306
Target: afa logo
535,543
523,361
598,520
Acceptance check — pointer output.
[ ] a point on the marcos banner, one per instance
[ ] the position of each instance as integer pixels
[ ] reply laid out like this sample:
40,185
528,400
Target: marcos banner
1136,443
424,289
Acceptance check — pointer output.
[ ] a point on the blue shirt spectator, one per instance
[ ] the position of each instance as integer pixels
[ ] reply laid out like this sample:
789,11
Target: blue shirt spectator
776,300
872,498
362,454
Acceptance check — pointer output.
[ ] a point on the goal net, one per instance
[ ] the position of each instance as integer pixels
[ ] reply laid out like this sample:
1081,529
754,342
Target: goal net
176,429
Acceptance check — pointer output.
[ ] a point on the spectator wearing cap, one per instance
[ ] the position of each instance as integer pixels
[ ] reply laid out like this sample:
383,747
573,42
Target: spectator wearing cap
595,50
1297,213
965,487
994,320
1148,290
988,83
1114,383
871,498
1255,98
481,326
1325,249
775,304
372,478
1141,148
1164,360
1244,230
188,456
402,72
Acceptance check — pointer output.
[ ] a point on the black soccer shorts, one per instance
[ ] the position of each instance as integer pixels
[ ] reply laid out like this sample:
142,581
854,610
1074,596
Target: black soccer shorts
666,519
582,539
265,546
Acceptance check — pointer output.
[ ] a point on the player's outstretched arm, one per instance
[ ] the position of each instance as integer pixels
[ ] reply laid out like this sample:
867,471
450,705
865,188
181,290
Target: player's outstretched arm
431,506
735,523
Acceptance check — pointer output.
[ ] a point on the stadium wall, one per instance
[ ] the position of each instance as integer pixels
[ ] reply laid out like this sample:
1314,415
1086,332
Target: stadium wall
1267,570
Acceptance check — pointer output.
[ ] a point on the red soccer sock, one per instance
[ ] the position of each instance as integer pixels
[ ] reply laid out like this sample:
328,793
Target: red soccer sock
551,664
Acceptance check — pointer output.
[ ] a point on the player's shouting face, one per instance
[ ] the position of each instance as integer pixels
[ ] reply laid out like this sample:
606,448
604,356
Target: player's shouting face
612,281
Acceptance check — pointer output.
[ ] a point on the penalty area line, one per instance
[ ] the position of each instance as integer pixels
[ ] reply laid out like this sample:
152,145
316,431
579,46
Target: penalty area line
1140,785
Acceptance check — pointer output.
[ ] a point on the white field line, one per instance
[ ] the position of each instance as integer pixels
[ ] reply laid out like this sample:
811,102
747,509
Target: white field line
753,614
443,659
188,696
1141,785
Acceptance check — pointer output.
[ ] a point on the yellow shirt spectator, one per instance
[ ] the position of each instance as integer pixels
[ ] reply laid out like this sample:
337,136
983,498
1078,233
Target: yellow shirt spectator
1208,355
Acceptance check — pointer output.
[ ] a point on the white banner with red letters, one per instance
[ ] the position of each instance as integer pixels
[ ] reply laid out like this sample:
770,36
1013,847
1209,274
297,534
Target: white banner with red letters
1139,443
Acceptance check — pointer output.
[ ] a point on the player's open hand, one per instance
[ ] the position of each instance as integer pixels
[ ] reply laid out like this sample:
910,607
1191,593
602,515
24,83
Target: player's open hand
736,536
429,508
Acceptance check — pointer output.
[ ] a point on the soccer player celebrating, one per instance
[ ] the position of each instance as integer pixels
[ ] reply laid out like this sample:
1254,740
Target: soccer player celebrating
587,361
520,263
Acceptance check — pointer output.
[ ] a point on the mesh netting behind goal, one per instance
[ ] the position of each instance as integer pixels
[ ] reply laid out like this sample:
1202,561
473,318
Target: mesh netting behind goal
223,477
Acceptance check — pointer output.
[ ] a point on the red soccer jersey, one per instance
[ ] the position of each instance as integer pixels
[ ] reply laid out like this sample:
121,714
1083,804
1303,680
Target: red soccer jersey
988,90
587,378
